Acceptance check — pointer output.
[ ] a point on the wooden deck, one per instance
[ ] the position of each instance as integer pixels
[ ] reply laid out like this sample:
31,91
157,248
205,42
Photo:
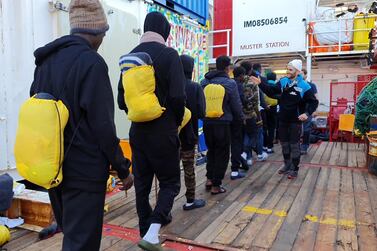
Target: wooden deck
332,205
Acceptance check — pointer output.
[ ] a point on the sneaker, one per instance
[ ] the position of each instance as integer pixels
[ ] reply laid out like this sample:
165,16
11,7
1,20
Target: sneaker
262,157
250,162
194,205
265,149
238,176
244,155
292,174
145,245
285,169
270,150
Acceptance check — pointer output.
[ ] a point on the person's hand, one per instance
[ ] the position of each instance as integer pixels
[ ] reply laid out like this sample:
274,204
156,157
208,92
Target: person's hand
255,80
303,117
127,183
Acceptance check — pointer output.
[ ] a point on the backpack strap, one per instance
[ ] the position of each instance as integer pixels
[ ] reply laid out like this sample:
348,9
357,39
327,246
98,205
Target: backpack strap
57,110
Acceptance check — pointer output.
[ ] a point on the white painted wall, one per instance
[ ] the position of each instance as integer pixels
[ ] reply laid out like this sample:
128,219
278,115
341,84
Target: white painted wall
26,25
18,41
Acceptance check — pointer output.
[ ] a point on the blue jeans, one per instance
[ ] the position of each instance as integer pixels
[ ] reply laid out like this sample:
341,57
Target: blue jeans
253,141
307,127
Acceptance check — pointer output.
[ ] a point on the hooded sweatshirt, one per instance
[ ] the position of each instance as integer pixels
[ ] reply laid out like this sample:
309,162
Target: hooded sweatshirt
72,71
195,102
170,80
232,107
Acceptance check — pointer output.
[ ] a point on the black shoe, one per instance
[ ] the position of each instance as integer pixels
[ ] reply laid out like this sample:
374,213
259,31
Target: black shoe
195,204
49,231
285,169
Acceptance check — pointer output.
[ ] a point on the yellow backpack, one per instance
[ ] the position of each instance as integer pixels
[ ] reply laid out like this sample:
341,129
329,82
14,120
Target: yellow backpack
39,147
270,101
139,84
186,119
214,95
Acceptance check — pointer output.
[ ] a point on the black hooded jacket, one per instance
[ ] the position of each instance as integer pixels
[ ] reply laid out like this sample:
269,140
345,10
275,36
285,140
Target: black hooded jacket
70,63
170,80
195,102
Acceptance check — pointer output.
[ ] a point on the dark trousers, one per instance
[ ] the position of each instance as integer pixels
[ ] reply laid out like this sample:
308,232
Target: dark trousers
188,162
236,132
289,134
155,154
270,127
80,215
217,138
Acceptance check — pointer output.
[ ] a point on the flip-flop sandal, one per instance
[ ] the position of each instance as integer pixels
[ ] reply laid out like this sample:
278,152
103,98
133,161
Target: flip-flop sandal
221,190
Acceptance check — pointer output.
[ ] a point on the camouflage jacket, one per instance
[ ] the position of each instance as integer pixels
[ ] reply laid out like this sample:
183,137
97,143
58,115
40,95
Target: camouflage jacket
251,101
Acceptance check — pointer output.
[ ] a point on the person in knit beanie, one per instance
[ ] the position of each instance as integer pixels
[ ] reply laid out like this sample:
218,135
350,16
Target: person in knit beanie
88,20
71,70
297,102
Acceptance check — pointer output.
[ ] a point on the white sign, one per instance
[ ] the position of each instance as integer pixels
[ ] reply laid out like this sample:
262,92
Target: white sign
268,26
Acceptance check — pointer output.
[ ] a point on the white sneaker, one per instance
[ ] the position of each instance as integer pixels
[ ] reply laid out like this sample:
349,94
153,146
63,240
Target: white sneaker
249,162
270,151
262,157
244,155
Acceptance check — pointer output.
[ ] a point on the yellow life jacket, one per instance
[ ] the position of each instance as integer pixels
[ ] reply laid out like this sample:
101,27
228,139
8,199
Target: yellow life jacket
139,84
39,147
186,119
214,95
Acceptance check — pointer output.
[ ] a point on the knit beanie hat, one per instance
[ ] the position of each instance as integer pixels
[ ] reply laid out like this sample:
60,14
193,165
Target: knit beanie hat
87,16
296,63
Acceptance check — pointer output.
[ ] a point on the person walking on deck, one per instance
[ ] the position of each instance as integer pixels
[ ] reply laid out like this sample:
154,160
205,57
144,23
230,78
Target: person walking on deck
195,102
70,69
297,103
217,127
155,144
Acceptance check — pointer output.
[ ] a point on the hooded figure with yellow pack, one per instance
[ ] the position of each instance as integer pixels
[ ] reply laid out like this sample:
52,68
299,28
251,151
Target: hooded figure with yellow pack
151,92
66,138
223,105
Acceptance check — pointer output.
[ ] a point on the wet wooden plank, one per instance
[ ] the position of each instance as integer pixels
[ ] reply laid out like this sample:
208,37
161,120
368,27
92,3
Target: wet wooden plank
326,235
42,245
237,224
347,236
288,232
268,233
251,186
372,192
366,223
210,233
257,221
352,161
343,155
308,230
215,206
21,243
361,156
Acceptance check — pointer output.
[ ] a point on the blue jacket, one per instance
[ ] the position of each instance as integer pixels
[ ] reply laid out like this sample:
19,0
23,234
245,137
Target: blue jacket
296,98
232,106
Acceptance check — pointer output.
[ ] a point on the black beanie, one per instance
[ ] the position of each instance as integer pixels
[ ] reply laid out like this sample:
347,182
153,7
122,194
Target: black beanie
157,22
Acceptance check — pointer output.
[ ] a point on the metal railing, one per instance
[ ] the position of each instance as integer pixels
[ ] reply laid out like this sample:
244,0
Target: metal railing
338,47
226,45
